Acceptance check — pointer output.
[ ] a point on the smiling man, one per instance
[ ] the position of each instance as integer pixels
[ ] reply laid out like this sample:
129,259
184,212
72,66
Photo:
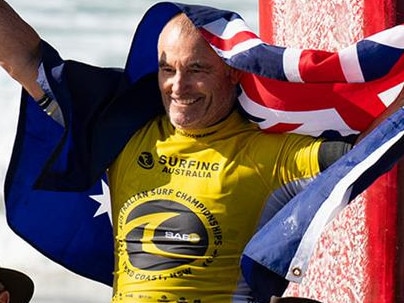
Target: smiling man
182,238
198,89
190,187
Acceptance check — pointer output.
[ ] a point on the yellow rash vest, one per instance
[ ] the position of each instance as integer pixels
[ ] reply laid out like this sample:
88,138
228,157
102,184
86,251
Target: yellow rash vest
184,205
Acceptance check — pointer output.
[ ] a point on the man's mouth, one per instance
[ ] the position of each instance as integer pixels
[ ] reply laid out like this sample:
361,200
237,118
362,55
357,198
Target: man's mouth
185,101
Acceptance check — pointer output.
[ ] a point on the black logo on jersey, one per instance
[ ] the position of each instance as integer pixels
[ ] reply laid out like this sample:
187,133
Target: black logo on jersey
146,160
163,299
164,235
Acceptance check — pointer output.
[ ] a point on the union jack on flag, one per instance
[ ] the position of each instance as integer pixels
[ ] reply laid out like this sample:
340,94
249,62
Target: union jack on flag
282,89
287,89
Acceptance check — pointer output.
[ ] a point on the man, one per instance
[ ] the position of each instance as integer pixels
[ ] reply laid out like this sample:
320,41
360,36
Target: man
189,188
194,165
15,286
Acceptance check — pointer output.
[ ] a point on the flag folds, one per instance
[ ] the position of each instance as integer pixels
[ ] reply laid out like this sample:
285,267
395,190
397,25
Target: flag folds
55,195
285,243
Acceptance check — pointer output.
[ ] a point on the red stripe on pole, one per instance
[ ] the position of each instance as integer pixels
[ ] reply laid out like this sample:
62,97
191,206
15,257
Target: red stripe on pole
378,15
381,219
265,20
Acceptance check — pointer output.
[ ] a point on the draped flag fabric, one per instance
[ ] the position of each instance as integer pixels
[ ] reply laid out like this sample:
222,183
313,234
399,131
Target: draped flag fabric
55,196
314,83
286,242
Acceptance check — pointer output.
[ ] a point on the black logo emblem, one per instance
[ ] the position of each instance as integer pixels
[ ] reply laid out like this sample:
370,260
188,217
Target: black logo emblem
164,235
146,160
163,299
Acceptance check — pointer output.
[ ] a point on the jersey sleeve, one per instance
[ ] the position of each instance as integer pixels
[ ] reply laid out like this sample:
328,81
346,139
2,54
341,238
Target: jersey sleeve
331,151
290,163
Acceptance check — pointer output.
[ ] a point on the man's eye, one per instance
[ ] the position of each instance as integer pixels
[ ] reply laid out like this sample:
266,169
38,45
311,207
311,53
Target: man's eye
197,70
167,69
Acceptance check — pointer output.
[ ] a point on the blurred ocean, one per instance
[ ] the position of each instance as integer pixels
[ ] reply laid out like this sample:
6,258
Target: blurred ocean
97,32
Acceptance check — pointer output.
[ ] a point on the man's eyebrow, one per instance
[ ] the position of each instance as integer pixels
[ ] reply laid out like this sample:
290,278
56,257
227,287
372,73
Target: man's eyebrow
199,64
196,64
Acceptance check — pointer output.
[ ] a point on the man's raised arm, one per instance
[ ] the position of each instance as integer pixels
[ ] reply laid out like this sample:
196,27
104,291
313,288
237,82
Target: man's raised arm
19,50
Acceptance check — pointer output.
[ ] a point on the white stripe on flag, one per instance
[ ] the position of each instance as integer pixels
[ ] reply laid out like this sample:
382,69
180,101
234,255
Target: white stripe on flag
308,121
330,207
351,68
389,95
227,29
238,48
291,59
391,37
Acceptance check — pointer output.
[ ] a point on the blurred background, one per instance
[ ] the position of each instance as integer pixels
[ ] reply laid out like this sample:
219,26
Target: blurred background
97,32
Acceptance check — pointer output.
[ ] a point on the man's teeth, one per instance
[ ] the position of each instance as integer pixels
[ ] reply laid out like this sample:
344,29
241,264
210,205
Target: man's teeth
186,101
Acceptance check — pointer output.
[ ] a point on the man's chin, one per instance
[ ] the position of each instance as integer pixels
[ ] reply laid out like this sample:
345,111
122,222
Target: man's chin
184,123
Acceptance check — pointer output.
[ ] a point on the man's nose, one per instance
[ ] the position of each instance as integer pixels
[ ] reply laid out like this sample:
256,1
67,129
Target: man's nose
180,83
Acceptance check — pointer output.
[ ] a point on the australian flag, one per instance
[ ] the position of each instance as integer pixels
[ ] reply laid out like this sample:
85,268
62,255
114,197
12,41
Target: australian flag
56,194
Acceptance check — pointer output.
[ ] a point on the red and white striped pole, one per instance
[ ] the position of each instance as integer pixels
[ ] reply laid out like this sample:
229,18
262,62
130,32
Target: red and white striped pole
357,259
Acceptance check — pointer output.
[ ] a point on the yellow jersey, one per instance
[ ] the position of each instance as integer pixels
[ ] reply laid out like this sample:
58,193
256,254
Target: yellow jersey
185,204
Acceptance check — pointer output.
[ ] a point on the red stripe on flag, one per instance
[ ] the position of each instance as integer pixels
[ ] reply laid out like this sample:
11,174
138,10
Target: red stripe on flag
227,44
314,64
283,127
349,100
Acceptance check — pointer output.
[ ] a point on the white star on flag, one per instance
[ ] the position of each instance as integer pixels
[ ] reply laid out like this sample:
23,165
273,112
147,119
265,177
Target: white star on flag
105,201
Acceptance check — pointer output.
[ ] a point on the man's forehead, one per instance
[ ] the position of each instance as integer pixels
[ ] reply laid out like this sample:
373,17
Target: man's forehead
175,32
188,62
180,43
194,53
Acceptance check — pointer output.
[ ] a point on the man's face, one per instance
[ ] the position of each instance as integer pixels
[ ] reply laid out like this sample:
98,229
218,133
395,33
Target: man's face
198,89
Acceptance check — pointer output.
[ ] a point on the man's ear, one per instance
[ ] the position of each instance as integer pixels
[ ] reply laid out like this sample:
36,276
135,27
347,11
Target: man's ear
5,297
235,75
